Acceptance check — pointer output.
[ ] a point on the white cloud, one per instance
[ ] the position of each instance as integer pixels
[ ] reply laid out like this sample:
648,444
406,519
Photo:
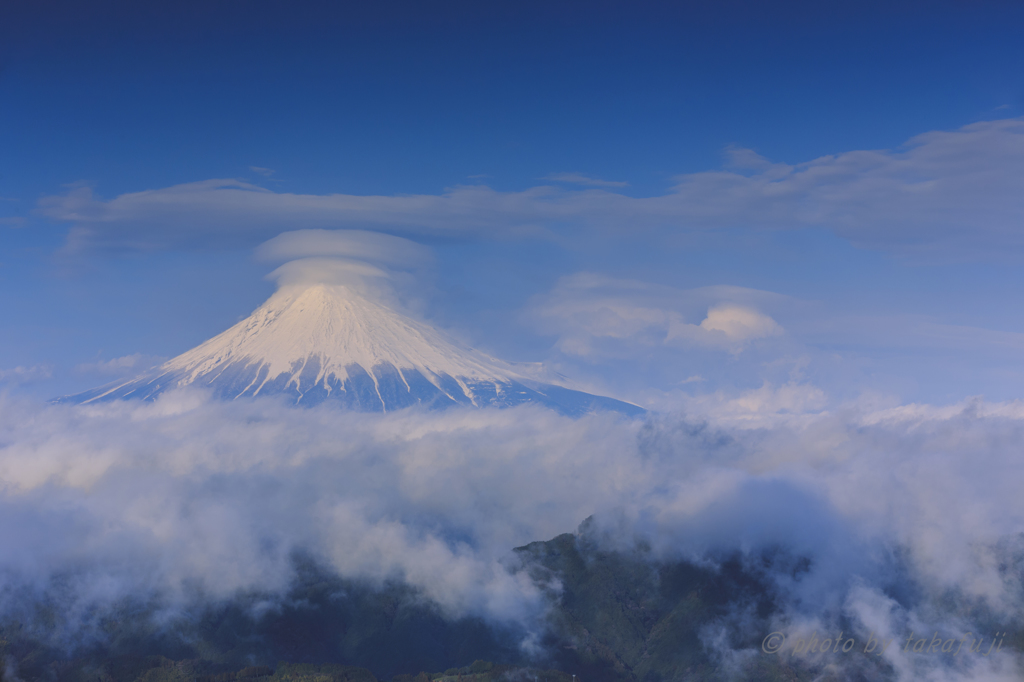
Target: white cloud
642,340
762,406
141,499
122,366
25,375
374,247
596,316
739,323
941,191
386,268
580,179
231,213
944,194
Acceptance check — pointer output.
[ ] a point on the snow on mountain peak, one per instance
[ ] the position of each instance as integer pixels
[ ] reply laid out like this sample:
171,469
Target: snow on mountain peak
342,329
329,333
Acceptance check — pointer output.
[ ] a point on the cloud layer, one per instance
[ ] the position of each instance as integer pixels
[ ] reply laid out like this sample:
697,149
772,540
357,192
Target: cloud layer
373,247
598,316
902,512
943,194
647,342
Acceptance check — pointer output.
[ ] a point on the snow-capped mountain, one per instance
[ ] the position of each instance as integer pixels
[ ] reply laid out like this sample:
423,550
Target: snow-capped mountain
327,342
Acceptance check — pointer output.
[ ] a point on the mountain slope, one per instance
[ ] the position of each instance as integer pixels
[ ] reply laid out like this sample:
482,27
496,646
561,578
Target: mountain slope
327,342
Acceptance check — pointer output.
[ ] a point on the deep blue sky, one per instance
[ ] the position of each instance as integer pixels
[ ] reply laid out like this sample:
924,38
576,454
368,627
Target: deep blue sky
415,98
412,97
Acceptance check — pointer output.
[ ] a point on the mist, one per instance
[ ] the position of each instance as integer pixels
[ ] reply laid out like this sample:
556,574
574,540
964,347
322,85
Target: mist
907,519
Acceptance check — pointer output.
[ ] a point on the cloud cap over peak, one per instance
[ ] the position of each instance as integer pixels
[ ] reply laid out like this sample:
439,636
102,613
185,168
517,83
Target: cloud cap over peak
374,247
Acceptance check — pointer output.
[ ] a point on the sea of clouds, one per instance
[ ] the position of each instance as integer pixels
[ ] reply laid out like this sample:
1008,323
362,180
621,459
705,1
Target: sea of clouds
911,517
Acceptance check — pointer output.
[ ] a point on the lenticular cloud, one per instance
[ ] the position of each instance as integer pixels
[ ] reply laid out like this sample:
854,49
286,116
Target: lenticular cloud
909,519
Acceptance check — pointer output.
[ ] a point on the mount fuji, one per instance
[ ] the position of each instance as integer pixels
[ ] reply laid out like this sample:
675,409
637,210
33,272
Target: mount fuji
327,342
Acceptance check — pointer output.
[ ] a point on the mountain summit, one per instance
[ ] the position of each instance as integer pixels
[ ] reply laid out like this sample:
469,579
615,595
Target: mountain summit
327,342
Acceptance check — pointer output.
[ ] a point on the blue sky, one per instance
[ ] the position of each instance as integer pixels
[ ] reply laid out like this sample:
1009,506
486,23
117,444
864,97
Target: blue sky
590,178
775,224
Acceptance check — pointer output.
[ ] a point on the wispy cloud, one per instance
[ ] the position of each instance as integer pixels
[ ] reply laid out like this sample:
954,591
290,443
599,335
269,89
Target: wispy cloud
121,366
356,244
25,375
580,179
645,339
265,172
944,194
600,317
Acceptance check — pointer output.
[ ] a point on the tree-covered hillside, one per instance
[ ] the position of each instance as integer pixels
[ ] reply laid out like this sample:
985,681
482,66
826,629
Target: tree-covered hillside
615,615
